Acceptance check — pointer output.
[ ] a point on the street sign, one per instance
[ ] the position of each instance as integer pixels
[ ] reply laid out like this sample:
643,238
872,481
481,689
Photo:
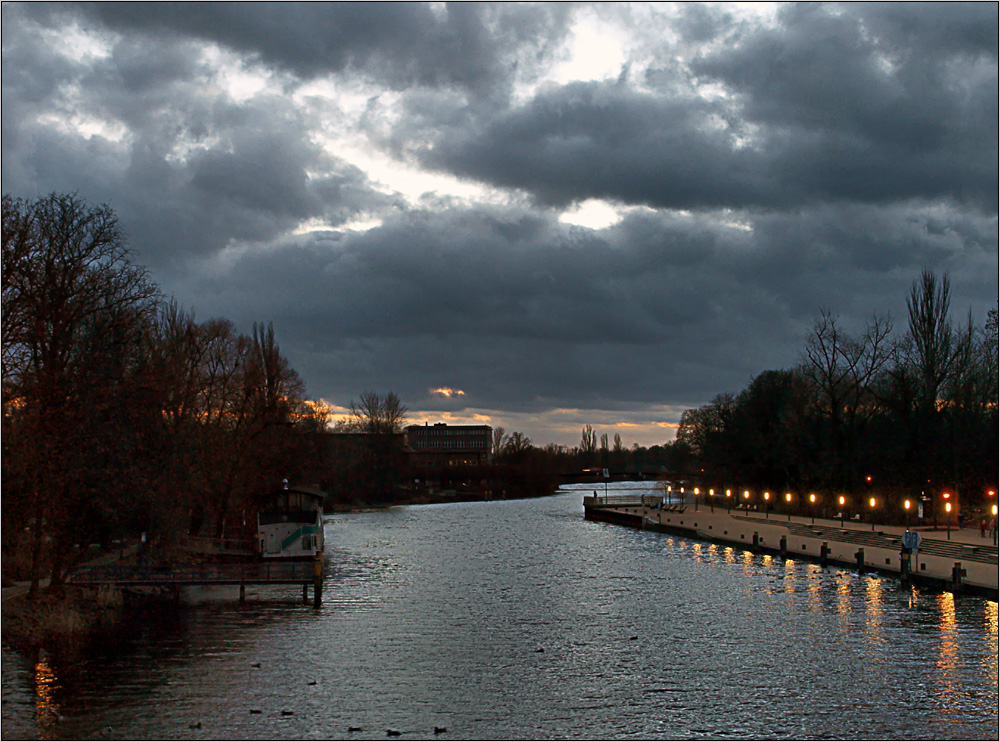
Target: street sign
911,539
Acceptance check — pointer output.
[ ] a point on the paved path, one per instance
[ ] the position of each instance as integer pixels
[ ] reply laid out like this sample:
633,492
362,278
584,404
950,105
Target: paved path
805,536
21,588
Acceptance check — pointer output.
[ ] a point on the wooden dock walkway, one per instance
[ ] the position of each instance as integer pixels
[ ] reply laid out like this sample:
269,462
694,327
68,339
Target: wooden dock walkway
177,576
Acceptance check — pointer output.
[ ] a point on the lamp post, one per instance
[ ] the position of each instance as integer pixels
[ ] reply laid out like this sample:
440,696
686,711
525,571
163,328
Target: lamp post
812,510
670,496
696,499
843,502
873,502
711,502
995,524
729,502
788,505
906,509
947,513
746,500
767,505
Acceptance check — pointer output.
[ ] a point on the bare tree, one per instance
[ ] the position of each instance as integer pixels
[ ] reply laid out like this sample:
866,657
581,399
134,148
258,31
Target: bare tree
72,302
499,440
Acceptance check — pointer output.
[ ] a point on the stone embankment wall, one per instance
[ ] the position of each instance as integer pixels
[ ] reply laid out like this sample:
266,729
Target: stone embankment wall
963,563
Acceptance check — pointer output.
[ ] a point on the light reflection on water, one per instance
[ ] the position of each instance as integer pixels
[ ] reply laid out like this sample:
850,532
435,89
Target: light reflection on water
513,620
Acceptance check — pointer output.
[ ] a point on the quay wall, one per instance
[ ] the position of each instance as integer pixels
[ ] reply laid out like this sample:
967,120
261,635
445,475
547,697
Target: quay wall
802,540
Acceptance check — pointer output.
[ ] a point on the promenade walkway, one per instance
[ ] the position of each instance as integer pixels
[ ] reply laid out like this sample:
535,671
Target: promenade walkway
938,555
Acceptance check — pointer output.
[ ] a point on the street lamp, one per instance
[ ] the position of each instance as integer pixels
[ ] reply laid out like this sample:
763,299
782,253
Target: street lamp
906,507
729,494
872,502
767,502
696,499
843,502
994,524
711,502
947,513
746,500
812,511
788,505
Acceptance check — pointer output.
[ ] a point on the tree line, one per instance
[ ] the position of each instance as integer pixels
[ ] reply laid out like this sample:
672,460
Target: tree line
122,413
894,416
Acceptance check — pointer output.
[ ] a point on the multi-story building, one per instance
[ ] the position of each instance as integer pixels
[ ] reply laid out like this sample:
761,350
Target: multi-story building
433,446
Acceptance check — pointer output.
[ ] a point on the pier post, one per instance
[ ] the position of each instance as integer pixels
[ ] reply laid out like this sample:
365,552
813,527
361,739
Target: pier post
824,552
756,541
904,566
859,556
318,581
783,546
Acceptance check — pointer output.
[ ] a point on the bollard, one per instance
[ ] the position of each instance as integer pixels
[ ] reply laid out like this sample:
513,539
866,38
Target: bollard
859,557
824,552
957,573
783,546
904,566
756,540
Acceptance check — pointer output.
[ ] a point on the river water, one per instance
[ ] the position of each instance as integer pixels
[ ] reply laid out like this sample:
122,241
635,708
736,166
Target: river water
521,620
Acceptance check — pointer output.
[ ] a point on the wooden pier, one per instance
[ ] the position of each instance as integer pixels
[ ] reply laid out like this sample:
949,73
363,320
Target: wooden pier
174,577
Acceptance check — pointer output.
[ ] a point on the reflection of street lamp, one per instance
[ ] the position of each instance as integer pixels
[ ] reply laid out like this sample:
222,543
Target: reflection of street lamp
788,504
812,511
843,502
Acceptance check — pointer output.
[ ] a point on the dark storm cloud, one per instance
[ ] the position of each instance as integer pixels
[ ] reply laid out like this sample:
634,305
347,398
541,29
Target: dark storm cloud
817,162
523,312
818,108
401,44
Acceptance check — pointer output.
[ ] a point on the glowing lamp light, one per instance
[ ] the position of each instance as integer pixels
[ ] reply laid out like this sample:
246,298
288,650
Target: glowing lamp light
947,507
788,497
729,493
842,500
906,504
812,498
994,510
872,502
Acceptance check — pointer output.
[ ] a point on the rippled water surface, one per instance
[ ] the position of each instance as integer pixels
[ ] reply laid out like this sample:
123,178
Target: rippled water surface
518,619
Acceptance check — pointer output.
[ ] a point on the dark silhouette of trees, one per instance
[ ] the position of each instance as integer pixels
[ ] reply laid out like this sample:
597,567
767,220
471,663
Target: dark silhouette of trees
917,414
122,414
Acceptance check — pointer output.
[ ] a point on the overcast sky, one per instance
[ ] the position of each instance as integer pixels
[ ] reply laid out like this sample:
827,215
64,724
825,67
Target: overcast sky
565,214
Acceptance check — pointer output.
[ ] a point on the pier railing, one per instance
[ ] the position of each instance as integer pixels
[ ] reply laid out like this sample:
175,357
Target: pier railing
619,500
258,573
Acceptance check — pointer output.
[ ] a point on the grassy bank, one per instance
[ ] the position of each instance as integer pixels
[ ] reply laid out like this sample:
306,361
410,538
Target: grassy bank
59,617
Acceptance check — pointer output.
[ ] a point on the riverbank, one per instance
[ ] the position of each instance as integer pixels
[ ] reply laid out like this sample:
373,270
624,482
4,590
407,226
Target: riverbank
60,615
850,544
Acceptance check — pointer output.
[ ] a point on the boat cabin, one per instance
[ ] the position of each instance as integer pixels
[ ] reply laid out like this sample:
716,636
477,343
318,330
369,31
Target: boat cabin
290,524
